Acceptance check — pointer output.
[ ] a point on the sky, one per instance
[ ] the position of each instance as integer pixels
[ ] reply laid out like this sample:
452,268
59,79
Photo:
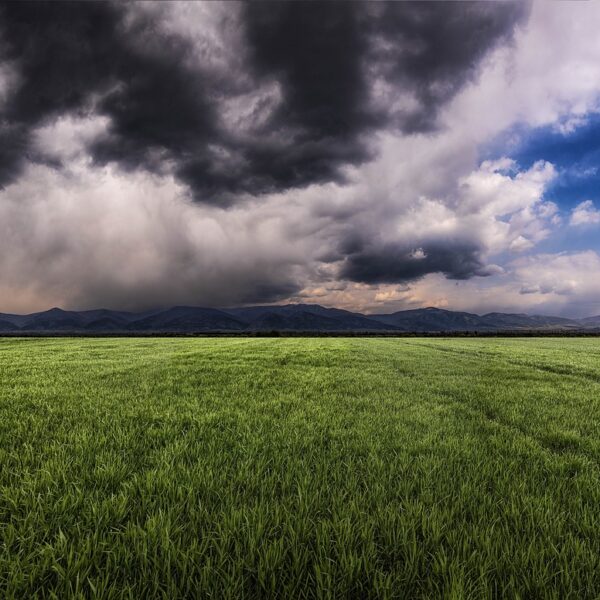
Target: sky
371,156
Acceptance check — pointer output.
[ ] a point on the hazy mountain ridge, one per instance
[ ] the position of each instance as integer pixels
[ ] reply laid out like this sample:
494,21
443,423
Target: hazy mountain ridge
290,317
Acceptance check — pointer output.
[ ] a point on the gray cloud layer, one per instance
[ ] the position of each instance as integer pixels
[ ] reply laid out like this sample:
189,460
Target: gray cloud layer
251,101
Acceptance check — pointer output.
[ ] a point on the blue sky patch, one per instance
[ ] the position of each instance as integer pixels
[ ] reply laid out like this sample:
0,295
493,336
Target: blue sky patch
576,156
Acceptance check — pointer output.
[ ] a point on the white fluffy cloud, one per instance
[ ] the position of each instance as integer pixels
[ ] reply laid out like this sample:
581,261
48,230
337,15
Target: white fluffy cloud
585,213
549,77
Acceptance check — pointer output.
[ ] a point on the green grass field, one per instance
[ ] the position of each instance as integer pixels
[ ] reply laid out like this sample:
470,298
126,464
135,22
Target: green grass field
299,468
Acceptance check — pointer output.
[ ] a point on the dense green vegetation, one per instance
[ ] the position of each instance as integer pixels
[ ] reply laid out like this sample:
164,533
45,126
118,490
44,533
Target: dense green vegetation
299,468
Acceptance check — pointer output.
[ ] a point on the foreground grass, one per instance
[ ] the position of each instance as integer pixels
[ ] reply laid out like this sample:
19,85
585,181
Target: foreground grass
299,468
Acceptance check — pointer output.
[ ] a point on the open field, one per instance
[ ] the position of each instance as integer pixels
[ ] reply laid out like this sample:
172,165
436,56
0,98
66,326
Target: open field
300,468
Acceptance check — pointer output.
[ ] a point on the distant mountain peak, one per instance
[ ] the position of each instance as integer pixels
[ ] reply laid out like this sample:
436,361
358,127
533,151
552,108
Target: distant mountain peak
302,317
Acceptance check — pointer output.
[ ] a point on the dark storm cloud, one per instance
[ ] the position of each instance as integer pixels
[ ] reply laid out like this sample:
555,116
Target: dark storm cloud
316,52
397,263
325,58
14,141
70,55
433,48
61,52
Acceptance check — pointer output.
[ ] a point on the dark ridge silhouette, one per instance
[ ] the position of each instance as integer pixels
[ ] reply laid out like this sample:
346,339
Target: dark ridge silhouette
8,326
187,318
434,319
305,318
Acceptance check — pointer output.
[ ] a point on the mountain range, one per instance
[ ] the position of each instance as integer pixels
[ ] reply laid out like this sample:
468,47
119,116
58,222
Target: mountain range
290,317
